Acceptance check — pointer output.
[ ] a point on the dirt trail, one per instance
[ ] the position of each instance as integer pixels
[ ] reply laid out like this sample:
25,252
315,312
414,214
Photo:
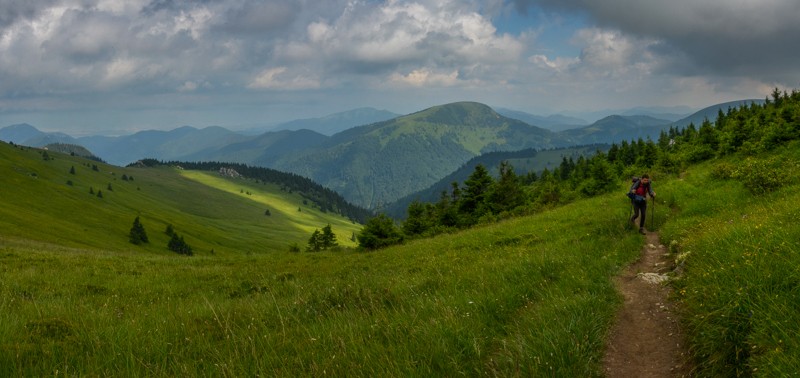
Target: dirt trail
646,341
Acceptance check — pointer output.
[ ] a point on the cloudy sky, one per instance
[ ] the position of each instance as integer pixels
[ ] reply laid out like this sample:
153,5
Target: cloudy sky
118,66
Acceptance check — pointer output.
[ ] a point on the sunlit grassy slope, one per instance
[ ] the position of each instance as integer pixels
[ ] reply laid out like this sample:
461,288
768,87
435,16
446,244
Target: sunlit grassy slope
528,297
740,254
225,215
531,296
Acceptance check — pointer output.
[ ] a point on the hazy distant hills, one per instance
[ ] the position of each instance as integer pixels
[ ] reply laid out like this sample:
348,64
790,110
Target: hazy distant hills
375,163
615,128
338,122
556,122
711,112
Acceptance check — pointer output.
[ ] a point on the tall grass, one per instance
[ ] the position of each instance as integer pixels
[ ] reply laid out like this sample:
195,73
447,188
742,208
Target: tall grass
741,285
225,215
525,297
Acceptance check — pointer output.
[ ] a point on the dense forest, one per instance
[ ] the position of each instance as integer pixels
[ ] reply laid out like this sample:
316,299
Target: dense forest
747,130
327,200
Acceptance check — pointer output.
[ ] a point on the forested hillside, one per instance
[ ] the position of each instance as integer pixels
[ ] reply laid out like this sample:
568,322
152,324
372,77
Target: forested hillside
375,164
325,199
748,130
728,196
529,295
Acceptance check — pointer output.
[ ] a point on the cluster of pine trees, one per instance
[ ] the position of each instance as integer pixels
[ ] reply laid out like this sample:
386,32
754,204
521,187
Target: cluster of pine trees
322,240
747,130
138,236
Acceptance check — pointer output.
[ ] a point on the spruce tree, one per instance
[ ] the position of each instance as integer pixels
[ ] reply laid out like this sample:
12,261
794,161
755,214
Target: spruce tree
315,242
138,235
507,194
473,202
379,232
328,238
178,245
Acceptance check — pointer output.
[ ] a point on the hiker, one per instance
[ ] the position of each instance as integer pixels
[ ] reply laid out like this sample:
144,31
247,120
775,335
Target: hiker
638,194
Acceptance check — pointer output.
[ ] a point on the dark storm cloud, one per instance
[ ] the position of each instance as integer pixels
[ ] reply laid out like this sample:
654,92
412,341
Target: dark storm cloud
12,10
717,37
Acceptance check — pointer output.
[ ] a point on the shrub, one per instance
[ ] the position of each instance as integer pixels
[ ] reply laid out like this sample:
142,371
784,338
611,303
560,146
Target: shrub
763,176
379,232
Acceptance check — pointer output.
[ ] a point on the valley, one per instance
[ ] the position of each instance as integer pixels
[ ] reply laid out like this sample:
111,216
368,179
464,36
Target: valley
528,291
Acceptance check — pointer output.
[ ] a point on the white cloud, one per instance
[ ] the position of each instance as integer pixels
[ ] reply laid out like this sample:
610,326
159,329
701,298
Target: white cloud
390,53
282,78
557,65
425,77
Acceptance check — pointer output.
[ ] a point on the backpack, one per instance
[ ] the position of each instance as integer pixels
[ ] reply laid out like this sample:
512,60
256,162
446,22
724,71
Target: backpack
634,180
636,197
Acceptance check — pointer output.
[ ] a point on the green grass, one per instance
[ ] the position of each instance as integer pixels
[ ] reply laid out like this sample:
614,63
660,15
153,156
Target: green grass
526,297
211,212
740,292
531,296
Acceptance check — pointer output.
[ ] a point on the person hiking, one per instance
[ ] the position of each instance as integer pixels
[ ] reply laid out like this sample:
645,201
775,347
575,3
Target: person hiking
638,194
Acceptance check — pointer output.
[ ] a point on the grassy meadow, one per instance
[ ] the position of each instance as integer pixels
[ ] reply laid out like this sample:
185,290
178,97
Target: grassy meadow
739,250
530,296
43,201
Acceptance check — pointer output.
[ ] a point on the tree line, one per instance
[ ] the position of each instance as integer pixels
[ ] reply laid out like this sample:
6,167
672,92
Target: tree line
747,130
327,200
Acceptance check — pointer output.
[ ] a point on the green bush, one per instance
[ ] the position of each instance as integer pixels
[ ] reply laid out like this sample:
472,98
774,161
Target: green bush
763,176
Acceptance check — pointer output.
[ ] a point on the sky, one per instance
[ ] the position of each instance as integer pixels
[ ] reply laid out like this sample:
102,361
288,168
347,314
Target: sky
113,67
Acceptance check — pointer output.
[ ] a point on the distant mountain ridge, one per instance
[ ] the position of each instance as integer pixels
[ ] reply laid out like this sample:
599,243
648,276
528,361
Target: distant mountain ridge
555,122
338,122
372,164
375,164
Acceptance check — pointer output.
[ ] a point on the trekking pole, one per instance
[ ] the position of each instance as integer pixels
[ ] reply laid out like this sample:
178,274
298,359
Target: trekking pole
653,216
628,219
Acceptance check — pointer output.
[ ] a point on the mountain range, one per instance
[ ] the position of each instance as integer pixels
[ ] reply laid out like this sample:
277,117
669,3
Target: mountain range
373,164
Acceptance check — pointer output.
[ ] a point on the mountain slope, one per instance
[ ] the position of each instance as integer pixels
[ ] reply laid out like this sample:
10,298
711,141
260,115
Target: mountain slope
523,162
375,164
334,123
616,128
19,133
43,201
264,147
711,112
555,122
164,145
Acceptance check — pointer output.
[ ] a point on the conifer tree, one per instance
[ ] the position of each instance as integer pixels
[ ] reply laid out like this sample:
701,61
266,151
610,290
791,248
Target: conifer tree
178,245
315,242
507,194
137,234
379,232
328,238
473,202
416,223
72,170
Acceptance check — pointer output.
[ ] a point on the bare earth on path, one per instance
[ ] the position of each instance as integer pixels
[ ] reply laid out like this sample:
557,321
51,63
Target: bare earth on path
646,340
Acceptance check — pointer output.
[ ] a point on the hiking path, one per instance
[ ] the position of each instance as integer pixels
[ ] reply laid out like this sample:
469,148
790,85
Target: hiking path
646,340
